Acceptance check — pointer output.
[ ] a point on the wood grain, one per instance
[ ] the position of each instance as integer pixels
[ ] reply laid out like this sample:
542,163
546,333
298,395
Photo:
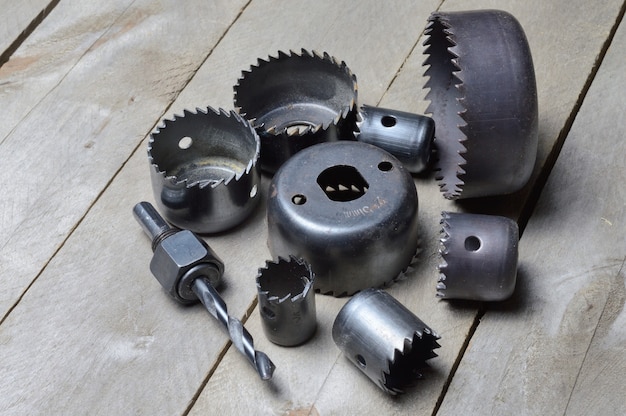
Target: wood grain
115,322
18,20
558,347
94,333
343,386
66,149
49,53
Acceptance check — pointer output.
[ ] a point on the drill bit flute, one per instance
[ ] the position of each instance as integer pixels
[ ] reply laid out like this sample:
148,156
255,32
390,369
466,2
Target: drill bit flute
189,271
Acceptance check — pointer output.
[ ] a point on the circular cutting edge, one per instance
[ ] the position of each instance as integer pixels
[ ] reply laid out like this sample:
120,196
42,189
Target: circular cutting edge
350,210
479,256
384,339
204,170
287,301
296,101
483,98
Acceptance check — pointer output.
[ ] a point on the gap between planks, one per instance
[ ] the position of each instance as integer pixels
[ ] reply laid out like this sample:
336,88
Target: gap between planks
222,353
540,183
590,346
536,190
30,28
116,173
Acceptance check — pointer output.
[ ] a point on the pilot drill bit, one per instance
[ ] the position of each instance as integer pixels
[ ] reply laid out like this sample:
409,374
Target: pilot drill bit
189,271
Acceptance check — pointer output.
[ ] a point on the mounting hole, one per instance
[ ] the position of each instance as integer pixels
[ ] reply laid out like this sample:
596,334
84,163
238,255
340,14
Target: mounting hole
253,191
268,313
299,199
385,166
472,243
185,143
342,183
361,360
388,121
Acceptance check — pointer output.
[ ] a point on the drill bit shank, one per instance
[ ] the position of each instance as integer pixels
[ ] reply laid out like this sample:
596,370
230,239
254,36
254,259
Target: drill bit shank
189,270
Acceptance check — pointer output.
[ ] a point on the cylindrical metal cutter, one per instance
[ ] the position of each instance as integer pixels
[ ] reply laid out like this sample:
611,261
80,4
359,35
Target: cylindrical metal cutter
296,101
407,136
384,339
204,170
479,257
287,301
350,210
483,98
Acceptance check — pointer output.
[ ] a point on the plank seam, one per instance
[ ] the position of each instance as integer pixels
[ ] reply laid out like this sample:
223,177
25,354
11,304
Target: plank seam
30,28
60,81
571,393
71,231
457,362
417,42
537,189
122,165
542,178
218,361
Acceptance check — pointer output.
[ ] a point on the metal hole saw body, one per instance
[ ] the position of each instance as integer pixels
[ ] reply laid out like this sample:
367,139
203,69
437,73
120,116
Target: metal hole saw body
347,208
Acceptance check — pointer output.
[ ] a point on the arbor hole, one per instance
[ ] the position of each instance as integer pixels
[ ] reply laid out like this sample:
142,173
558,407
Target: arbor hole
472,243
361,360
299,199
185,143
385,166
388,121
342,183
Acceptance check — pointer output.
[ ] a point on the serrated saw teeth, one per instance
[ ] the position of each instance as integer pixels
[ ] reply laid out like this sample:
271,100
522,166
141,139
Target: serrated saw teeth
292,108
287,300
204,170
478,257
445,104
409,361
486,137
444,249
402,349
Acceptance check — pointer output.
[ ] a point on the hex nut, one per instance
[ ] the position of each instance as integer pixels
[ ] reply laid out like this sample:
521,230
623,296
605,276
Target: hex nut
181,258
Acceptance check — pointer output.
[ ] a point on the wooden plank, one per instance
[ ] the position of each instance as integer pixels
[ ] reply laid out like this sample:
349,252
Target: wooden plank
115,342
600,384
343,389
64,152
559,345
19,18
49,53
132,349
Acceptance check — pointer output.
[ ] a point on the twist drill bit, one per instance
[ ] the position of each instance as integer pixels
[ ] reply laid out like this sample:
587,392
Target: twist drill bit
239,335
189,270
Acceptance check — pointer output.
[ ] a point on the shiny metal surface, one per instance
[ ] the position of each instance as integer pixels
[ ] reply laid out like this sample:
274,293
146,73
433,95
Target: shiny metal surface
407,136
479,257
179,255
241,338
287,301
204,170
189,270
483,98
350,210
296,100
384,339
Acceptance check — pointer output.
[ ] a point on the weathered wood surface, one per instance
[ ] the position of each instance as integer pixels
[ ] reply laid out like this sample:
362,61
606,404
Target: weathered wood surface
17,21
559,346
95,334
70,142
340,388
